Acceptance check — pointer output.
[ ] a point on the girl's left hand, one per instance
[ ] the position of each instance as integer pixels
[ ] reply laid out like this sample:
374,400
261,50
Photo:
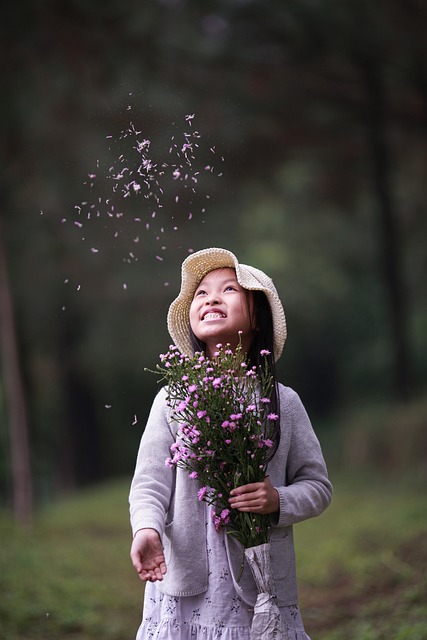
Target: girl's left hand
257,497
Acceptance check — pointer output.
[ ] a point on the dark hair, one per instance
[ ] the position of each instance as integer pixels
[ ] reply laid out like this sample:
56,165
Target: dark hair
263,340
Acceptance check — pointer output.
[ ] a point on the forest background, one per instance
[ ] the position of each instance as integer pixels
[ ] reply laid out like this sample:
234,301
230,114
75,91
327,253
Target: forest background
292,133
306,157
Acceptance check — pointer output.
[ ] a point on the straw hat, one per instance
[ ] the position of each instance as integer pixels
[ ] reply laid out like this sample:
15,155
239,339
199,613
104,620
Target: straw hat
194,269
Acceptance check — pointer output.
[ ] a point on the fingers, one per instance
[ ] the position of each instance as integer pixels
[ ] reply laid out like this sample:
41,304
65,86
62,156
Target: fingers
257,497
251,503
246,488
154,574
151,570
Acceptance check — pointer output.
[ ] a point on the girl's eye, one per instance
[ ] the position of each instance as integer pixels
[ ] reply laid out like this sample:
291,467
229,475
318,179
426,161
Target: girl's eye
200,292
230,288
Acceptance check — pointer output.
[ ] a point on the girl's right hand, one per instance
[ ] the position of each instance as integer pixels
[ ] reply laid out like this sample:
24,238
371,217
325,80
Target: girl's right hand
147,555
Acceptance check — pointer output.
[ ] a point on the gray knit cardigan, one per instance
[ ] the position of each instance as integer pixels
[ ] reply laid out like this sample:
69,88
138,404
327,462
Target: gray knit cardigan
165,499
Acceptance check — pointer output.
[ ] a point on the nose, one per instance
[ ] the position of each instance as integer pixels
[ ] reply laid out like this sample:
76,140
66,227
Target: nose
212,299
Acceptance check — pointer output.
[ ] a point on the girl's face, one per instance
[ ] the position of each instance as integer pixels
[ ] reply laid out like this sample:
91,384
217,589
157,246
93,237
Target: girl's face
220,309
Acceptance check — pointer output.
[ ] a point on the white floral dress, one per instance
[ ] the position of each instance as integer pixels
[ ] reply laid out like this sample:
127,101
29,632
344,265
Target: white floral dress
217,614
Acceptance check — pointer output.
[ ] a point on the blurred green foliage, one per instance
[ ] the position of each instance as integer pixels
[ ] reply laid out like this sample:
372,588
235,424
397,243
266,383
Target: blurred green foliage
313,117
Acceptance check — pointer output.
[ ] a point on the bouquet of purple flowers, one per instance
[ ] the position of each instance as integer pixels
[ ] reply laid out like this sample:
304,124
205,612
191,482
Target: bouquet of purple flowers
227,431
226,438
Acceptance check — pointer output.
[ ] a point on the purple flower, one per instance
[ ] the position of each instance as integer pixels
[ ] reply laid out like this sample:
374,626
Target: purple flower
193,475
192,388
225,516
216,520
265,443
201,414
272,416
265,352
220,520
202,493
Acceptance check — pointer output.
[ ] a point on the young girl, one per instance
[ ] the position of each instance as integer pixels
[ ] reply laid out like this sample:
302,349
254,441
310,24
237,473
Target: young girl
195,587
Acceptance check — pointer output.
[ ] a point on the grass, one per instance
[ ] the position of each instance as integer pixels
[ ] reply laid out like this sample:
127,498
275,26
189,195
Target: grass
363,564
362,568
71,576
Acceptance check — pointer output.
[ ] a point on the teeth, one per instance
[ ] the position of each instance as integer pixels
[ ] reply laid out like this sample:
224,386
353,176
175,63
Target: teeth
213,316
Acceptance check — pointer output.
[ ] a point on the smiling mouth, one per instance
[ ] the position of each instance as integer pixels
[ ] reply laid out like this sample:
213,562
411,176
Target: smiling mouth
213,316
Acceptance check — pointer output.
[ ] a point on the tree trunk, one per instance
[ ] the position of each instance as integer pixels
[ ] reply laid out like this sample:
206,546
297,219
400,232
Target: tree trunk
16,414
390,245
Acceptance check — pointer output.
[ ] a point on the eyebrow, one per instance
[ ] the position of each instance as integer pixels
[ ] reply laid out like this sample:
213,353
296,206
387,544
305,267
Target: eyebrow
223,282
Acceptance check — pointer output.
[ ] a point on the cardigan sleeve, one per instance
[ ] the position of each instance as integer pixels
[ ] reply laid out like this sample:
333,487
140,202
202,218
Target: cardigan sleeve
153,481
306,489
